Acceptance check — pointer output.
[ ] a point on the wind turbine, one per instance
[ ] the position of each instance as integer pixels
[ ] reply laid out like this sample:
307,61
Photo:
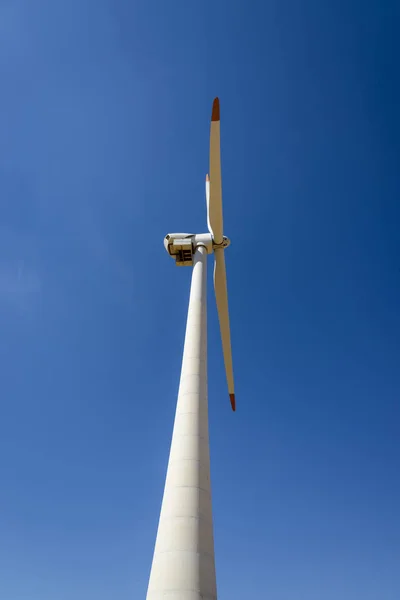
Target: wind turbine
183,566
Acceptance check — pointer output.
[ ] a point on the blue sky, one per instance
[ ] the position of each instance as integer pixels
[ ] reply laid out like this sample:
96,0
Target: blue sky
104,120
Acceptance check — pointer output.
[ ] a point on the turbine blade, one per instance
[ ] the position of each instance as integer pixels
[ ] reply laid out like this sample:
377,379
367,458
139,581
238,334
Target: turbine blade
221,296
214,207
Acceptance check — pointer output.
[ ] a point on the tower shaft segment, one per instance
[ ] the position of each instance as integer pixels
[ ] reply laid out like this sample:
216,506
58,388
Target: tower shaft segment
183,565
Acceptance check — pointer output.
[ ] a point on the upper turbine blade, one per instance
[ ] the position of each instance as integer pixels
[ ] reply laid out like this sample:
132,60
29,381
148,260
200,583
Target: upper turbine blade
221,296
214,205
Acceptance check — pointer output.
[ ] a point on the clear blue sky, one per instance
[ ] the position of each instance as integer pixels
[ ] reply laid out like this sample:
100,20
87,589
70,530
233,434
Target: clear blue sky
104,125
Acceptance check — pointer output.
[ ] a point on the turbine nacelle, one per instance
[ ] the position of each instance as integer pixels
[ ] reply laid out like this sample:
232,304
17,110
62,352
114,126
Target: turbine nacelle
182,246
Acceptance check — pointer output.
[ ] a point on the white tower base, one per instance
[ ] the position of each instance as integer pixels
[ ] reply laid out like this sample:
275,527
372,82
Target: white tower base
183,563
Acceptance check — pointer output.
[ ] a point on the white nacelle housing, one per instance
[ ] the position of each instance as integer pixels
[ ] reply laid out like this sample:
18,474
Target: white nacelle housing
181,246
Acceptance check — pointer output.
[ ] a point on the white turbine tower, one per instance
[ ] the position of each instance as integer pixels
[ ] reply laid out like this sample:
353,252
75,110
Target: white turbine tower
183,565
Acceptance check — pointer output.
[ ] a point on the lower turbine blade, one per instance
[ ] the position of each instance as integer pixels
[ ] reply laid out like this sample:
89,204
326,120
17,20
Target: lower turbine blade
221,296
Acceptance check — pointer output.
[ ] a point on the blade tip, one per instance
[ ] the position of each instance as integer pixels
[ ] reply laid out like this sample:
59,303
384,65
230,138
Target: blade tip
207,177
215,110
233,401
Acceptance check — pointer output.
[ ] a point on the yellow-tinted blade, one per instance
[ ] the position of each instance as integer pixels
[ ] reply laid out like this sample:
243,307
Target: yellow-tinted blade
221,296
214,208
